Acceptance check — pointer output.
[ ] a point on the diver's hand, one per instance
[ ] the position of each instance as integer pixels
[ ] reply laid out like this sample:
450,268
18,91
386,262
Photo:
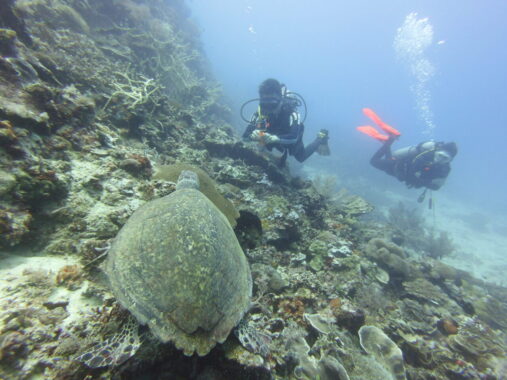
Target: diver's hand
271,139
257,135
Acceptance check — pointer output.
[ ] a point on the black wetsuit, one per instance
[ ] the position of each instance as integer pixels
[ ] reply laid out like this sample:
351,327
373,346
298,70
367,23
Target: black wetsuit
288,128
417,169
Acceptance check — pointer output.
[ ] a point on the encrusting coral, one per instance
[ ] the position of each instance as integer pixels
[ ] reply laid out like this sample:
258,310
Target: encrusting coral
95,97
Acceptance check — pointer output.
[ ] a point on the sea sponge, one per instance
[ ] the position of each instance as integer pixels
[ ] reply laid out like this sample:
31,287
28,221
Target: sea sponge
448,326
375,342
207,187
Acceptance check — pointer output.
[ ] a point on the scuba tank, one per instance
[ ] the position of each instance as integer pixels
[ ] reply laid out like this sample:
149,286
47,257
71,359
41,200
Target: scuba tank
424,147
402,153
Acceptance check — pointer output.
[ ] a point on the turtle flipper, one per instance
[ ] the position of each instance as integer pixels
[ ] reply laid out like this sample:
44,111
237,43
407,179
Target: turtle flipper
115,350
252,339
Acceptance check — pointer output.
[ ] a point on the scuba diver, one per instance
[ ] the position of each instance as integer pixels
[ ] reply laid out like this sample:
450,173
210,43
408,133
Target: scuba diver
424,165
277,124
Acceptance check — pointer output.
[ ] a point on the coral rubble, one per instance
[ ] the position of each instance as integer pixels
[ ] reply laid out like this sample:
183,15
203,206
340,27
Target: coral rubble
101,103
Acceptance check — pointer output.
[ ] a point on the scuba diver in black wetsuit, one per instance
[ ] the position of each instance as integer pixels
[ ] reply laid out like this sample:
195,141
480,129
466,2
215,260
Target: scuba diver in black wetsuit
277,124
424,165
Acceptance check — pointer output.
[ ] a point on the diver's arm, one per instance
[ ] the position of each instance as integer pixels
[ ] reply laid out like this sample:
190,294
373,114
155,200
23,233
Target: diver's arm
288,139
296,131
439,178
250,128
248,132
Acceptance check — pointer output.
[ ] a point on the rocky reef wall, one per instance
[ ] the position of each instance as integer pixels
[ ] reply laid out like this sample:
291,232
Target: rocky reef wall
96,97
80,80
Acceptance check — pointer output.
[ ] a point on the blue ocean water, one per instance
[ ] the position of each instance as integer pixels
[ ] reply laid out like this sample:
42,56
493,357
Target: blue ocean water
446,79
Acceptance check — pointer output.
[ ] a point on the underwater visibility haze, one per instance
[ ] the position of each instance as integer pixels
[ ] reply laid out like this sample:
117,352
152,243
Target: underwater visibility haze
443,76
145,234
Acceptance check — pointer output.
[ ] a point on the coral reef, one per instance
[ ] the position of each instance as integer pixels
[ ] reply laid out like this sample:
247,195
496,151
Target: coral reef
97,100
376,343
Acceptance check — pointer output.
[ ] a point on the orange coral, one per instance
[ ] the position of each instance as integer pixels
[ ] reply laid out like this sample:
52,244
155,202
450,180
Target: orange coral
144,161
335,305
292,307
69,276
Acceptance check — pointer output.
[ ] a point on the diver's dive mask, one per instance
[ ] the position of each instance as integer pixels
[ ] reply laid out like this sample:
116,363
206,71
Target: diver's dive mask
270,104
442,157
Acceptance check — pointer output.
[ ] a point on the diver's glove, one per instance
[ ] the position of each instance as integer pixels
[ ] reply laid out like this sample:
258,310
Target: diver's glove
271,139
323,135
323,148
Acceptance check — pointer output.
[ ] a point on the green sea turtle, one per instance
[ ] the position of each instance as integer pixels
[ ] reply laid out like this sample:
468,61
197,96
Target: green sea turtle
177,266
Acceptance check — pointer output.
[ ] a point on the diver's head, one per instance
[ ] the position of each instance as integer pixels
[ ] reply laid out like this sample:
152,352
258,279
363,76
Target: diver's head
445,153
450,148
270,97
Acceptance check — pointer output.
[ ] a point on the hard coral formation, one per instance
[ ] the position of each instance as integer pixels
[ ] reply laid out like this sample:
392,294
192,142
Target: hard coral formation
390,257
97,94
375,342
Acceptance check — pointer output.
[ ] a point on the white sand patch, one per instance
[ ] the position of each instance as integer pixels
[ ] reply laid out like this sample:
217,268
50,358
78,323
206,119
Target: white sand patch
13,270
12,267
482,246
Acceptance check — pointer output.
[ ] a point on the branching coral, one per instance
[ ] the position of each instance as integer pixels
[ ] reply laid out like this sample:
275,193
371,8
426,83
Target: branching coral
136,91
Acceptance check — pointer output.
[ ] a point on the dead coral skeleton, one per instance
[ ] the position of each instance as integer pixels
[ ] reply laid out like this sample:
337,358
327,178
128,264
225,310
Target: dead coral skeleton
136,91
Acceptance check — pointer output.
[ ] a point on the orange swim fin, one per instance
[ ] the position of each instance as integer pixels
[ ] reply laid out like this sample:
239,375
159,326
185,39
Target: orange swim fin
372,132
385,127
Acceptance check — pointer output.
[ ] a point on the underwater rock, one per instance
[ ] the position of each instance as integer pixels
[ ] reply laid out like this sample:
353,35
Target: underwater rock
137,165
14,225
7,42
425,291
349,318
309,367
375,342
281,222
267,279
24,115
36,185
7,182
325,248
392,258
355,205
240,150
492,311
13,346
477,340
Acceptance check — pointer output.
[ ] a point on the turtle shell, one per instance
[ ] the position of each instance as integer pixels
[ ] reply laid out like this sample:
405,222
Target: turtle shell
177,266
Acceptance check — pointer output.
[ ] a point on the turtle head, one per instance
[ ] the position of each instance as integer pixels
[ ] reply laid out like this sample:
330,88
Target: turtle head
187,180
